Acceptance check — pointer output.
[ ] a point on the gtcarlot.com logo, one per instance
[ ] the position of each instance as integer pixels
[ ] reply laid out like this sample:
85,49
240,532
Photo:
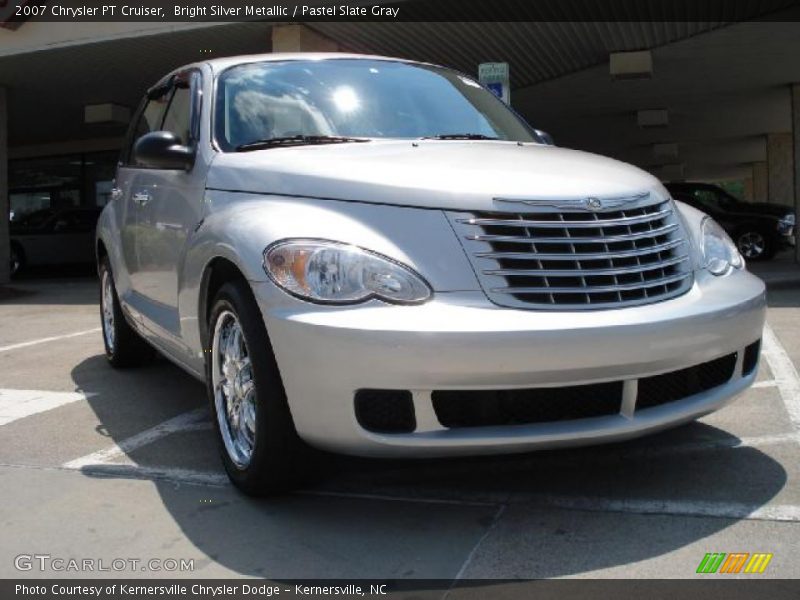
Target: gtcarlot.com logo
735,562
47,562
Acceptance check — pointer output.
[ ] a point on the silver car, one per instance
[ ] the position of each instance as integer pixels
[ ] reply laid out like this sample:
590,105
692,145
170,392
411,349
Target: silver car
378,257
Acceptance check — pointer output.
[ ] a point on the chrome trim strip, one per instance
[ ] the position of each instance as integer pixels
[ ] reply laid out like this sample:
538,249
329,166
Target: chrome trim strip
574,203
570,224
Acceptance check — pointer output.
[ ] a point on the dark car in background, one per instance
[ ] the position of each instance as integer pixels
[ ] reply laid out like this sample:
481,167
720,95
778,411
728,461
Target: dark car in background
53,237
759,229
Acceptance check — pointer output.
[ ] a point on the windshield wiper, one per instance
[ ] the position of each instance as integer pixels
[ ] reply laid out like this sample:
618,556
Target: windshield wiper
459,136
297,140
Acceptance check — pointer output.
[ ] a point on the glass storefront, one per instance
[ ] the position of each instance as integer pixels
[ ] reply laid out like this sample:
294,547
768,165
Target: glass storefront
60,182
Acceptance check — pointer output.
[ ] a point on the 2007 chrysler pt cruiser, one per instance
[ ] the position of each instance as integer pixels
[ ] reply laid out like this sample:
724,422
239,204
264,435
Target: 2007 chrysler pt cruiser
378,257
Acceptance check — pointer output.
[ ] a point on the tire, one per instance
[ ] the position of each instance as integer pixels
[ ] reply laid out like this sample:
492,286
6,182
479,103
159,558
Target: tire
124,347
16,260
257,440
755,245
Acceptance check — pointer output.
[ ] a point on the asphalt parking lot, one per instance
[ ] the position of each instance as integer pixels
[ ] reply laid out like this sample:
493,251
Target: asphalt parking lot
104,464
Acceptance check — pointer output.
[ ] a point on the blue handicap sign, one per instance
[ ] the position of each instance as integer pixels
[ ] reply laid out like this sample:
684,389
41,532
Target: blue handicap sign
496,88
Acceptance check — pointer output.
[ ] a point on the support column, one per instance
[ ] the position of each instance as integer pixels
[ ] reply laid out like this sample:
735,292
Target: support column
4,208
796,164
748,189
760,182
780,168
300,38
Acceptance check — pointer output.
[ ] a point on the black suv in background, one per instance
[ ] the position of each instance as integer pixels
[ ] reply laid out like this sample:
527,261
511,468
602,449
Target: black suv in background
759,229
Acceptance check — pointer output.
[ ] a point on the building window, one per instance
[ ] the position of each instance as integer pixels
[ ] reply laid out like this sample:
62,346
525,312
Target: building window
74,180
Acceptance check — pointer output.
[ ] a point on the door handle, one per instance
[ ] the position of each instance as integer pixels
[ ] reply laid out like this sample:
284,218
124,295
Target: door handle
142,198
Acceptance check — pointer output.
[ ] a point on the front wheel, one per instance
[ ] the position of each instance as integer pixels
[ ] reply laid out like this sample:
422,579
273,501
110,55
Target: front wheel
259,445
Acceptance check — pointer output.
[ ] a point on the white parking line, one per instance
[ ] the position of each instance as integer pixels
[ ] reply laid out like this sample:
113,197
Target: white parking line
689,508
18,404
169,474
471,555
148,436
765,384
785,374
48,339
712,444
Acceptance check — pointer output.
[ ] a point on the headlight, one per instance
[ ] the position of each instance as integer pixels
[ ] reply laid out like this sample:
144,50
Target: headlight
337,273
719,251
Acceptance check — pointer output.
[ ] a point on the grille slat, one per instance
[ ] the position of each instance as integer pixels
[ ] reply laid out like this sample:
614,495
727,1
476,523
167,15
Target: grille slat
585,272
627,237
584,256
569,256
582,289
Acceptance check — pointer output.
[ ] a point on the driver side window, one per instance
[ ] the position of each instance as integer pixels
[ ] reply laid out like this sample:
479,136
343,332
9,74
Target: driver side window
178,116
150,120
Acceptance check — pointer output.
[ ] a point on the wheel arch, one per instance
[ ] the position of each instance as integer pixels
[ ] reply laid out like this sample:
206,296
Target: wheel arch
101,252
217,273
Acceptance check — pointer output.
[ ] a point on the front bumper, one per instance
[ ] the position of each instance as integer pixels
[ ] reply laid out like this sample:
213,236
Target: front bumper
459,341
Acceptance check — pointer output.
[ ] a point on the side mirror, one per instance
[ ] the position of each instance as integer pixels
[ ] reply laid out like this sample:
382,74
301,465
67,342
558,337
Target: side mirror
545,137
163,150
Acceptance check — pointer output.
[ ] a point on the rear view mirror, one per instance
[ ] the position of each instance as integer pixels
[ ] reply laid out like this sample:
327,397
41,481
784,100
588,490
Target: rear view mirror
163,150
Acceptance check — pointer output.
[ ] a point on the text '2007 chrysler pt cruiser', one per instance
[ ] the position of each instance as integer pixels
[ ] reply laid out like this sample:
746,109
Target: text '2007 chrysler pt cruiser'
378,257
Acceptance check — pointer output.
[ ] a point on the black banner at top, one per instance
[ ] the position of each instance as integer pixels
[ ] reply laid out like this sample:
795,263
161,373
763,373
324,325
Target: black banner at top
15,12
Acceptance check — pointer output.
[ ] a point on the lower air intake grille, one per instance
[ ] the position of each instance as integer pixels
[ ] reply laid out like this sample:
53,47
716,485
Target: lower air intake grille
385,411
751,354
669,387
479,408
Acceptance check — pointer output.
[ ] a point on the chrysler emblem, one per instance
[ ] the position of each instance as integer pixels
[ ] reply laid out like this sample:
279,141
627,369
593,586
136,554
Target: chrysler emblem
594,203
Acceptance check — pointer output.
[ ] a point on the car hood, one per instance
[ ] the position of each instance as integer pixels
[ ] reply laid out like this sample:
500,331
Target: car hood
445,174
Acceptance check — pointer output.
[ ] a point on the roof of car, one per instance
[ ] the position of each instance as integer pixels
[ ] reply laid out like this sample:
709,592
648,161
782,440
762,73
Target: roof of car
220,64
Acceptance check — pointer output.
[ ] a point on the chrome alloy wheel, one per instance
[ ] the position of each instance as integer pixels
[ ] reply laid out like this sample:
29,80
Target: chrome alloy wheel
107,307
751,244
234,389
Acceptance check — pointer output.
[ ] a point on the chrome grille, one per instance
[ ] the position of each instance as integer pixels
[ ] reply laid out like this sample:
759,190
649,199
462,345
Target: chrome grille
563,255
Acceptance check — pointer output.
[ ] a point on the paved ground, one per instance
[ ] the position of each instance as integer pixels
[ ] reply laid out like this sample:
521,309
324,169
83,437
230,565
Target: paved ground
104,464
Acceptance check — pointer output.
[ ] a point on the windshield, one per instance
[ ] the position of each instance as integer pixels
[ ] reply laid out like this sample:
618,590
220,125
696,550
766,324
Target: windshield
356,98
